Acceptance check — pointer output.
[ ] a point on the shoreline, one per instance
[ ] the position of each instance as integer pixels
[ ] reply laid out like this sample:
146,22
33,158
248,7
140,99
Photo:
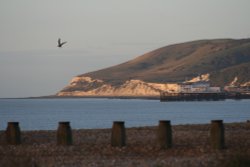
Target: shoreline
91,147
127,97
90,97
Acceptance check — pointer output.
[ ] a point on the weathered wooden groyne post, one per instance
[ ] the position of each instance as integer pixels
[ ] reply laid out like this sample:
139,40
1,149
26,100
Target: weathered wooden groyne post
217,139
13,133
164,134
118,135
64,134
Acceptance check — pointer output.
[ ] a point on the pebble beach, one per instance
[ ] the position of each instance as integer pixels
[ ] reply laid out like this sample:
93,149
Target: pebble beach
92,148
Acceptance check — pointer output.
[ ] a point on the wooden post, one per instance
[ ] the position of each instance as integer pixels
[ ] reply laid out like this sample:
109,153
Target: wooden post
165,134
217,134
118,136
64,134
13,133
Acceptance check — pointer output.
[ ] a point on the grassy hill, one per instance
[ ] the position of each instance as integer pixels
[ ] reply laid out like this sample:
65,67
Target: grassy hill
224,59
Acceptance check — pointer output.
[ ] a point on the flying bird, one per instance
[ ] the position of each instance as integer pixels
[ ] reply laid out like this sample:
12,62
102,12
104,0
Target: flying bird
60,44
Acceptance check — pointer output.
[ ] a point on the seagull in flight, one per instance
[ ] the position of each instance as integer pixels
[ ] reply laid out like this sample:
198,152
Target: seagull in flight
60,44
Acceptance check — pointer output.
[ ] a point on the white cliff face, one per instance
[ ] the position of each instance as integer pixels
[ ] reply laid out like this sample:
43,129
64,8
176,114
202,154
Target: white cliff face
76,80
234,82
203,77
140,88
86,86
246,84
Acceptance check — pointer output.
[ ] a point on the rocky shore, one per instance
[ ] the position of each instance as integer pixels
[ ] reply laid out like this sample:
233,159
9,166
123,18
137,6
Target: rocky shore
91,147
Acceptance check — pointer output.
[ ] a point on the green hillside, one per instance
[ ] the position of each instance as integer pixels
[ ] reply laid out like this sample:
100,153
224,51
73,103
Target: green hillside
224,59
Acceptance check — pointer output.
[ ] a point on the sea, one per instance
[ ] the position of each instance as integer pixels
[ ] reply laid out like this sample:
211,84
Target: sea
93,113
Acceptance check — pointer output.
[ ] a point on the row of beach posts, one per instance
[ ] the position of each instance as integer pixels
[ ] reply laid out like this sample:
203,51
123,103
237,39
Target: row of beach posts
118,134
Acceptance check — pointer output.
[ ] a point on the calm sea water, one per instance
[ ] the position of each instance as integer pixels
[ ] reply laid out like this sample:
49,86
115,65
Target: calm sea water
44,114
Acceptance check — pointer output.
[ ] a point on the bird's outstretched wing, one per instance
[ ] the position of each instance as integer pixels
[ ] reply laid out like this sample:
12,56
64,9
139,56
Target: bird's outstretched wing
63,43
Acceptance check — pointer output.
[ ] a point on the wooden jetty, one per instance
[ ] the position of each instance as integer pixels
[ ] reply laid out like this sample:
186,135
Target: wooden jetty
165,96
238,95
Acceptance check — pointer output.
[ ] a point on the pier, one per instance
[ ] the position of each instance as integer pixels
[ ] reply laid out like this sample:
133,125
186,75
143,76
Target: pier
192,96
202,96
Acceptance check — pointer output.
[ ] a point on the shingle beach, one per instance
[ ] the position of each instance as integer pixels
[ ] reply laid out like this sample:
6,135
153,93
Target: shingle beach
92,148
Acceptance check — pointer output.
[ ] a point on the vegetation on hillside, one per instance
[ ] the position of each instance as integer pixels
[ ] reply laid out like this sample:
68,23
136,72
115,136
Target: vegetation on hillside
224,59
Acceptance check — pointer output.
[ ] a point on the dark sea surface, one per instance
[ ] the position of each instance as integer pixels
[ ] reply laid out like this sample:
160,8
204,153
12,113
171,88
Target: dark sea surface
44,114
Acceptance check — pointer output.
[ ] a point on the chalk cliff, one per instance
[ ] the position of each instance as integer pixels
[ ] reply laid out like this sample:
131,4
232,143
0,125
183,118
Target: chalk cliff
86,86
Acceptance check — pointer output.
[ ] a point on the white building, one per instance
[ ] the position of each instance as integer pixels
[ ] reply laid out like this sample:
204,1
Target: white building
198,87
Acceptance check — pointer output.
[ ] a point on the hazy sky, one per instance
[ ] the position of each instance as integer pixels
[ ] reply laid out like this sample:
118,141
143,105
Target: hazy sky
100,33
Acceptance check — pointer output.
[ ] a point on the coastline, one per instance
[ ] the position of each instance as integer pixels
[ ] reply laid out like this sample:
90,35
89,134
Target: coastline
87,97
91,147
124,97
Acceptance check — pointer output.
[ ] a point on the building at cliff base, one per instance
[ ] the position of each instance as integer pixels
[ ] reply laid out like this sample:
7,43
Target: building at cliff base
198,87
